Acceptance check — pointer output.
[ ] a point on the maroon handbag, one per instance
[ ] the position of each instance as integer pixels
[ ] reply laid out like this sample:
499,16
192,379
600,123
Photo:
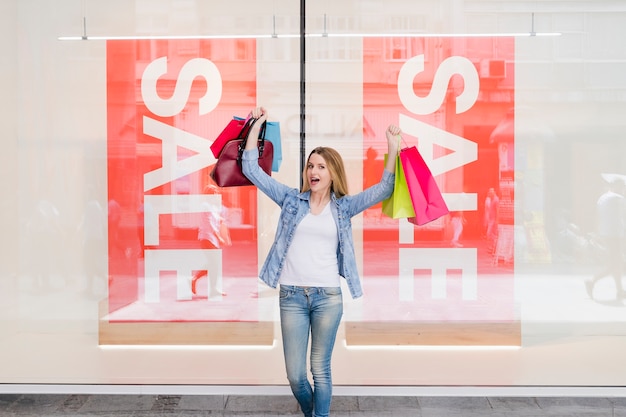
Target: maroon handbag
227,170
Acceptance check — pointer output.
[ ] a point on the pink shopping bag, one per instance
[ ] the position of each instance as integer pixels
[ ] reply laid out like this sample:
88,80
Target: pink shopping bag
428,203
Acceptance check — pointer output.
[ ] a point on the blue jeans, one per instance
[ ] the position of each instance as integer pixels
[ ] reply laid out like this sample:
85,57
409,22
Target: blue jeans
314,311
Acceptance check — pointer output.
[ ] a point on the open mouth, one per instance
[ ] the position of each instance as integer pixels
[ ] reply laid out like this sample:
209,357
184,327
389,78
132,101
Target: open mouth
314,181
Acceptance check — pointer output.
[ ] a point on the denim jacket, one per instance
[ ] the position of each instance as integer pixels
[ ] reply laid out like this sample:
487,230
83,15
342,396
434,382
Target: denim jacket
295,205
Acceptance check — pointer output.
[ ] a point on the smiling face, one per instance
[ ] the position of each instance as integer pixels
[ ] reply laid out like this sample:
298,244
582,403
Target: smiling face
318,174
324,171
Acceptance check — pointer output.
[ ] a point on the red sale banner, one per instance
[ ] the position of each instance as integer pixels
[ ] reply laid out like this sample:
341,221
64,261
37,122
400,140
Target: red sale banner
450,281
181,249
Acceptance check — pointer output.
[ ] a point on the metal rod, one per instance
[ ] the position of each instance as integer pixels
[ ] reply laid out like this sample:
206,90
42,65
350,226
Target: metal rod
302,87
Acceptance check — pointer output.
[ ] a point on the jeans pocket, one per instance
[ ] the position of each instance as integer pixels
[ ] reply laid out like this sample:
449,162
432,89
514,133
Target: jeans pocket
283,294
330,291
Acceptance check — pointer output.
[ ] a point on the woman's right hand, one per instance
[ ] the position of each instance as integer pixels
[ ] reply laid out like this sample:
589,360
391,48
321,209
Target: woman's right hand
260,114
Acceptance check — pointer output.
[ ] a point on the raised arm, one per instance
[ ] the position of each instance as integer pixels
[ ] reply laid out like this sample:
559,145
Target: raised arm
393,144
260,114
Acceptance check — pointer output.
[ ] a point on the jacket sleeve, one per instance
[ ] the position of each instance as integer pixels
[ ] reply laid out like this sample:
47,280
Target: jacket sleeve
275,190
372,195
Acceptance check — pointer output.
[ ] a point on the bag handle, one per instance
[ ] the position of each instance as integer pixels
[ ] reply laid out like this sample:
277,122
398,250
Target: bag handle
244,138
245,130
400,142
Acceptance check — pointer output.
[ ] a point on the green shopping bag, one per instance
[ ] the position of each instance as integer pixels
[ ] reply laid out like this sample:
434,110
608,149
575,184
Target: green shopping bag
399,205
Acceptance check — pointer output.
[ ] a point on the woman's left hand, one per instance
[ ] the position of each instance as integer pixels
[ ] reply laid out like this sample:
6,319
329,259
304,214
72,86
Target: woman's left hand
393,145
393,138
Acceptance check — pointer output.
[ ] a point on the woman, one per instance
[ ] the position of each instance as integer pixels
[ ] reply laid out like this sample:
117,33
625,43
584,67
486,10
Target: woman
313,248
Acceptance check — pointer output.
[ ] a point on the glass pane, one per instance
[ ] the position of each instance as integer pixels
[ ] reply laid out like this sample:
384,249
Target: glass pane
107,183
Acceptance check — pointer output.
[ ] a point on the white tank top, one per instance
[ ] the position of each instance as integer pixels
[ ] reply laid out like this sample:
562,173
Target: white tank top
312,257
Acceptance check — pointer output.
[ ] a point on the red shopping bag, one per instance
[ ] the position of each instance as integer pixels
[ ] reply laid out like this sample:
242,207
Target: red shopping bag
428,203
232,131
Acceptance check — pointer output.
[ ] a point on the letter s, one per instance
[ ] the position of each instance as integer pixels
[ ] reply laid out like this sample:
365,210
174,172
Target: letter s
175,104
431,103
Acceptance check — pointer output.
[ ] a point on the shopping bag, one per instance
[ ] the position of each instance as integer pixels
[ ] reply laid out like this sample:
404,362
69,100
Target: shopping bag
272,133
428,203
399,204
227,170
232,130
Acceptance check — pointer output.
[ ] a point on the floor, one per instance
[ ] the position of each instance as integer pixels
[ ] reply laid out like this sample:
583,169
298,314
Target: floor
277,405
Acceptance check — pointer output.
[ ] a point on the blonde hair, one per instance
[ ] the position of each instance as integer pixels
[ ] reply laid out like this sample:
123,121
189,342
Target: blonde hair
334,163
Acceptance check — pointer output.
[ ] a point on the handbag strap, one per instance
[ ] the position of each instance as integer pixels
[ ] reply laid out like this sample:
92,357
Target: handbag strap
244,138
262,138
245,130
